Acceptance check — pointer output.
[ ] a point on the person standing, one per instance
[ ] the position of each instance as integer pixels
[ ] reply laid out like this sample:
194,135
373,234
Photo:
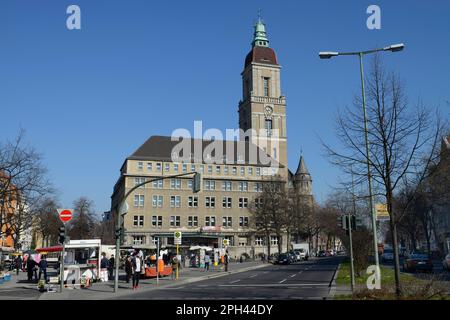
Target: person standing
225,261
104,264
207,260
111,266
174,266
43,264
137,268
128,268
31,265
18,264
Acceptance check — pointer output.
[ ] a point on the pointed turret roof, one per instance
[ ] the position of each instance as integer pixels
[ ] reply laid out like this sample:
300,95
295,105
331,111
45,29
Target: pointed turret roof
302,169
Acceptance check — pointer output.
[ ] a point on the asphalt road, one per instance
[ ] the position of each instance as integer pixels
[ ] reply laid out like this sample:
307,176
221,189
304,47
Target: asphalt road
304,280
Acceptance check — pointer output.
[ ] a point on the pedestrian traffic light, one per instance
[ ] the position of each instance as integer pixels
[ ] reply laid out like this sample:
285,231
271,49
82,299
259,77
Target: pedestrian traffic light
62,234
197,185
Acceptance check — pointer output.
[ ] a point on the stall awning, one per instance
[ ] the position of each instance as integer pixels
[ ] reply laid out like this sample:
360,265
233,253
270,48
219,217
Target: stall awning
50,249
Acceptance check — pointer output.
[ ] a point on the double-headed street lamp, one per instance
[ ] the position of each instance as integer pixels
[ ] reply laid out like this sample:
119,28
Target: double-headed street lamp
361,54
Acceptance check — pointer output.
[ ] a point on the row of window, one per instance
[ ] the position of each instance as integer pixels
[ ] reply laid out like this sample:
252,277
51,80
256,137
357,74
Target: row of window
192,221
259,241
210,202
209,185
183,167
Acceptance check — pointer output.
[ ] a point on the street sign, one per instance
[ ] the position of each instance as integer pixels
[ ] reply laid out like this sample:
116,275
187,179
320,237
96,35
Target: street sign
177,237
382,212
65,215
226,242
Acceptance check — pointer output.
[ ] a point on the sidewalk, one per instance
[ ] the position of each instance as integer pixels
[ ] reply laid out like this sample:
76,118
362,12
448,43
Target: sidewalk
104,290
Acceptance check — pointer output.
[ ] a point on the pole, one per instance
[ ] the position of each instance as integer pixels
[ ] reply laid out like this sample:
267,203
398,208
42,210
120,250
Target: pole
62,263
178,262
157,263
369,174
116,261
352,267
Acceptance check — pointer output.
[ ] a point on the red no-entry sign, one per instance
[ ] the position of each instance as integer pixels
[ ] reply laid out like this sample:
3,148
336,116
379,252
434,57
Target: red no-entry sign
65,215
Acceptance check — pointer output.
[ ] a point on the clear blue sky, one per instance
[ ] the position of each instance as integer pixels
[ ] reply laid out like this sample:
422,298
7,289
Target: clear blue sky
89,98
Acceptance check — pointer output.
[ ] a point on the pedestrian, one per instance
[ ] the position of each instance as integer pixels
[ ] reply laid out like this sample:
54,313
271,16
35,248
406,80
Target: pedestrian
225,261
31,265
18,264
240,259
104,264
137,267
128,268
43,264
174,266
111,266
207,260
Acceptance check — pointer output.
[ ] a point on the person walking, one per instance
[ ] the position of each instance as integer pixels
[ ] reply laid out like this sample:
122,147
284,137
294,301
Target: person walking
137,268
31,265
174,266
43,264
225,261
111,266
18,264
128,268
207,260
104,264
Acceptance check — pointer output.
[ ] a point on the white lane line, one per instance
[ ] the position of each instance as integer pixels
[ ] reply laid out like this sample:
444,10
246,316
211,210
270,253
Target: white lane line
277,285
235,281
293,275
282,281
253,276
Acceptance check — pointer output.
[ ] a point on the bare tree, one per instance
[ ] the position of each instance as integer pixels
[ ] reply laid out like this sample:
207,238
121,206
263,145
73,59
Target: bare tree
48,222
23,182
83,223
402,142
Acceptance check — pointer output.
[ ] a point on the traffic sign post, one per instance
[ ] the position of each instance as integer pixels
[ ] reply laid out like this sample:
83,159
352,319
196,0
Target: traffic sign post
177,240
65,215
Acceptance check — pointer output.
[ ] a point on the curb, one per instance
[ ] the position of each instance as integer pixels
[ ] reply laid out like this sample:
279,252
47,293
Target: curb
333,283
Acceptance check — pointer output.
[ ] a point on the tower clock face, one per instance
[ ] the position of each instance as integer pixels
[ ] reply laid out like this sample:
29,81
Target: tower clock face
268,110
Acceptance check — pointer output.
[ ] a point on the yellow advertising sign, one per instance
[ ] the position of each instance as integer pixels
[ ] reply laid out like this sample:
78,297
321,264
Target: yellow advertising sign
382,211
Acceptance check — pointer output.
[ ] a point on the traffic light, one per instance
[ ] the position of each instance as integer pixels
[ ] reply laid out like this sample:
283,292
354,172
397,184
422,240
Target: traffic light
62,234
197,184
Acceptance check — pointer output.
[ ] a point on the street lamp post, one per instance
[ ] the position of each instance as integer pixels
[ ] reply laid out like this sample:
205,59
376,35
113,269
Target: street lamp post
361,54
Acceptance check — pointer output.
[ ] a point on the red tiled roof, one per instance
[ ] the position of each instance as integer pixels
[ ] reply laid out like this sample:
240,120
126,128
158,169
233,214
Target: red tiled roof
261,55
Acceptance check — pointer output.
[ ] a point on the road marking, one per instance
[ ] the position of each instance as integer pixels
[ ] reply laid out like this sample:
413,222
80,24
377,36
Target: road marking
277,285
282,281
235,281
293,275
253,276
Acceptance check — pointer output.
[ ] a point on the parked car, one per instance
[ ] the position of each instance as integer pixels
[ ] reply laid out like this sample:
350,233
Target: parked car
322,253
292,256
387,256
283,259
446,262
417,261
301,253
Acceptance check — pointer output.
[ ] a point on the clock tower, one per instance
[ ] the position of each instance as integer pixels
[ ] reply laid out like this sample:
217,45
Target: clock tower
263,107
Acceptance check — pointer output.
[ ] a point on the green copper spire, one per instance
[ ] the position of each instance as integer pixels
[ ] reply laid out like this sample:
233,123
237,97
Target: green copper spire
260,37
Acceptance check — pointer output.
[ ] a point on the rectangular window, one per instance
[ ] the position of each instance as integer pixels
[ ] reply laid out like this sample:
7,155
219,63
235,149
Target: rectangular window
209,169
234,171
184,167
138,221
225,170
259,241
158,184
189,184
226,202
175,183
167,167
149,166
243,186
257,187
157,201
139,200
258,203
193,202
140,165
258,171
242,171
175,201
218,169
202,168
158,167
138,240
157,221
175,167
192,221
139,181
192,167
210,221
273,240
210,202
243,222
268,127
175,221
243,202
226,185
266,86
210,185
227,222
250,171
